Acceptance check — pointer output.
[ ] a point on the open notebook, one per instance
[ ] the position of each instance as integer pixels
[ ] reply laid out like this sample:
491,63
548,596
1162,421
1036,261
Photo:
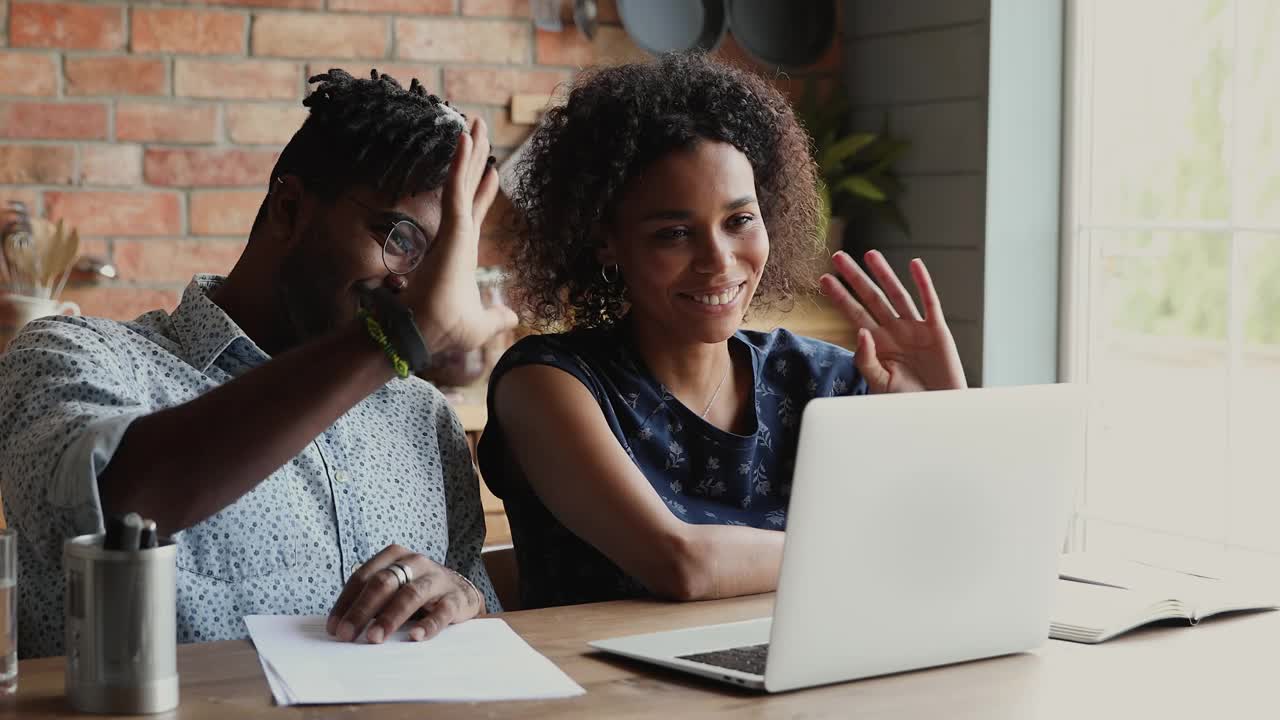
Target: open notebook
1100,597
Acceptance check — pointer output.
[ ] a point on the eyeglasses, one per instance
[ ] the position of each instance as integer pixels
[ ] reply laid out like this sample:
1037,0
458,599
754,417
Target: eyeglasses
404,246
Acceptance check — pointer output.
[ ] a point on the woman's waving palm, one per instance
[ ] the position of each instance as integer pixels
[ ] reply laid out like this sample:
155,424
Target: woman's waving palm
899,349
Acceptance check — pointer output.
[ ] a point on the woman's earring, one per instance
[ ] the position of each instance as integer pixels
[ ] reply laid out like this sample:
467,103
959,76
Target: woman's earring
604,273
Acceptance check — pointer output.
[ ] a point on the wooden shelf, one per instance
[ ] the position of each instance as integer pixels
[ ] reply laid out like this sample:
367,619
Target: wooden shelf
812,317
470,405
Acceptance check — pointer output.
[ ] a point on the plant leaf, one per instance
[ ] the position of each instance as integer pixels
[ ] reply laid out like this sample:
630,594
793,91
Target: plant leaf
861,187
840,151
890,156
892,186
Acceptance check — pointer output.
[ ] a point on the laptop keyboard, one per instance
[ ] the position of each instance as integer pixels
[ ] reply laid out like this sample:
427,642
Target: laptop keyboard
747,659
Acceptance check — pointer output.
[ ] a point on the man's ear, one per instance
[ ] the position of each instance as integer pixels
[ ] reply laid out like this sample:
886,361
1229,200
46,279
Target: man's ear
285,208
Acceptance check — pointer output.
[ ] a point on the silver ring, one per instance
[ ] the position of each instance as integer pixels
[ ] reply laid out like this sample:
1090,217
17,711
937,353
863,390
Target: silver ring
397,571
402,573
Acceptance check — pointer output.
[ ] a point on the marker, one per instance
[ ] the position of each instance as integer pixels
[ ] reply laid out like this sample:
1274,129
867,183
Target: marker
115,528
132,532
148,540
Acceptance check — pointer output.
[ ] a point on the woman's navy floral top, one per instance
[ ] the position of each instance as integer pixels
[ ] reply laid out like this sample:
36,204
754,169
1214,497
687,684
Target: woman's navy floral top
706,475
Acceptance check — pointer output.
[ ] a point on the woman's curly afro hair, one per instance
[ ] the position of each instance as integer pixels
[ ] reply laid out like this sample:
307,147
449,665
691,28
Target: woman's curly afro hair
618,120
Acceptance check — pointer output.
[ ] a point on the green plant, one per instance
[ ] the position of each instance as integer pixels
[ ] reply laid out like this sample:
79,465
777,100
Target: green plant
856,174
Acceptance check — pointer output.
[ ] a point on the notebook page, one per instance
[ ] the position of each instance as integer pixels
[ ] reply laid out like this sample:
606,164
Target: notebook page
1201,594
477,660
1105,610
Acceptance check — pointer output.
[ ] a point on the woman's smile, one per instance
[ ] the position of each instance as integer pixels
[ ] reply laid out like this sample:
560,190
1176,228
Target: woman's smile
715,301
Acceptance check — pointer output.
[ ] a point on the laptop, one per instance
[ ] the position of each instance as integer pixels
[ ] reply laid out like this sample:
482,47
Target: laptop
924,529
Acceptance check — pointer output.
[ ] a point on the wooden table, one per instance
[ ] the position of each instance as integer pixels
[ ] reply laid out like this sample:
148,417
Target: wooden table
1225,668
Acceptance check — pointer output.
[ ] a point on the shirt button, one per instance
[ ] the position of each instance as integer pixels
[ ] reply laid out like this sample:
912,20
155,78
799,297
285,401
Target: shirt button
341,476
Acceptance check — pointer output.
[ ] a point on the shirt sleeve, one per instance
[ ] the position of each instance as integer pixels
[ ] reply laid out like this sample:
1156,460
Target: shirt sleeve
66,401
465,512
549,350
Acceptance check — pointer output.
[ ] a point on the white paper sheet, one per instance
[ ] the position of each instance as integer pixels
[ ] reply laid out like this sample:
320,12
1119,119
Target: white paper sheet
476,660
279,690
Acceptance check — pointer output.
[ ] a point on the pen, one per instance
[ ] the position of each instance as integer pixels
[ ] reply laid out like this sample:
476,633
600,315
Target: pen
132,533
148,540
114,529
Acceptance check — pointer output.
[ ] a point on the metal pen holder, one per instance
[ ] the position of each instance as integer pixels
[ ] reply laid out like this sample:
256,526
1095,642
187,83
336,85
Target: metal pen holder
121,627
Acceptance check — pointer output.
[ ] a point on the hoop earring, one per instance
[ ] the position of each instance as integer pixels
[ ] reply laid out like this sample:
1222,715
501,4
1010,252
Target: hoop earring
604,273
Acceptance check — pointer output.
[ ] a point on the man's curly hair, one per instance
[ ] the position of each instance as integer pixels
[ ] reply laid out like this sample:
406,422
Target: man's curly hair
374,132
617,121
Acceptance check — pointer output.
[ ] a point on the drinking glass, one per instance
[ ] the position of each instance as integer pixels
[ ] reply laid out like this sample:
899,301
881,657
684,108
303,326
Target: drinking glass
8,611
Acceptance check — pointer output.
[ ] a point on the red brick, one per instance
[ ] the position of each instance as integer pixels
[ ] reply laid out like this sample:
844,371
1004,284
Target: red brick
297,35
166,122
832,59
244,79
116,76
117,213
53,121
793,87
495,87
607,10
174,261
79,26
492,253
33,198
496,8
502,132
285,4
95,247
421,7
224,212
120,302
24,73
37,164
428,75
457,40
610,45
498,223
190,32
111,165
732,52
207,167
789,83
262,124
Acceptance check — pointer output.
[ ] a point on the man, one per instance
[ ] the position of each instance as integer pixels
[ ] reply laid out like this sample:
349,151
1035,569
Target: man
261,423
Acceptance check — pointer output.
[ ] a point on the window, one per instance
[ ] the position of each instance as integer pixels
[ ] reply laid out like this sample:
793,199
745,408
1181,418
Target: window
1171,308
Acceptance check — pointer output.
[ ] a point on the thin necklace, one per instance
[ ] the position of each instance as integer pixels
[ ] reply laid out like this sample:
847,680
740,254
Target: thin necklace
716,394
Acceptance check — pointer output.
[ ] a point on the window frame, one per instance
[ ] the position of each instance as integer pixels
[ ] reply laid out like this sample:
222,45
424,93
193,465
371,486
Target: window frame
1078,332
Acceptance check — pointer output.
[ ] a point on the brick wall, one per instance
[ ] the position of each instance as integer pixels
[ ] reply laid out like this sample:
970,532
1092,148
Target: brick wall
152,126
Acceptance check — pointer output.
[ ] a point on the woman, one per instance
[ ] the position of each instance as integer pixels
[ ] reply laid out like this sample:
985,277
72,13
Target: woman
649,447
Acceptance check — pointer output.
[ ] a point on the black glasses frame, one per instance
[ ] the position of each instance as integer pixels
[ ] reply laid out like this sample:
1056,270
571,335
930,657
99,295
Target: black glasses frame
412,230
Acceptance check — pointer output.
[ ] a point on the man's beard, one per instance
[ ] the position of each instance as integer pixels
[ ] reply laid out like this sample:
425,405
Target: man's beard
311,306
